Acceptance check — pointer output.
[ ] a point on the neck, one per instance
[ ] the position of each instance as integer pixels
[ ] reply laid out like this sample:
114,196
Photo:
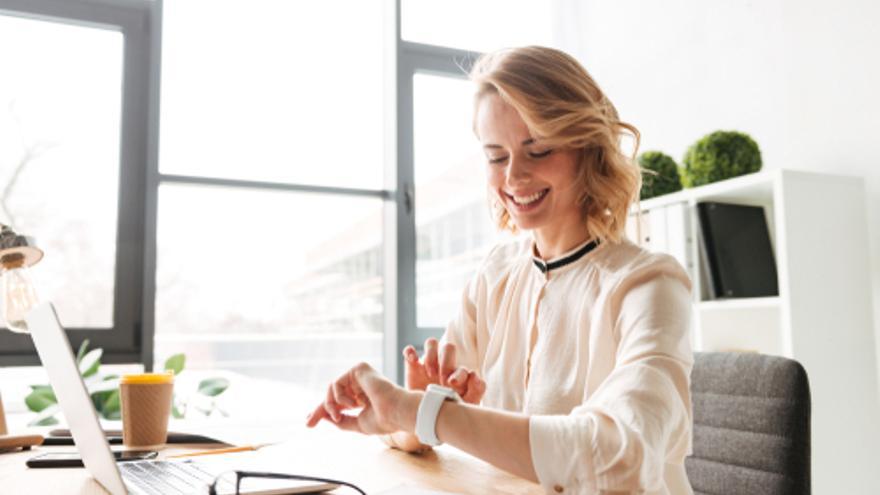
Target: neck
552,241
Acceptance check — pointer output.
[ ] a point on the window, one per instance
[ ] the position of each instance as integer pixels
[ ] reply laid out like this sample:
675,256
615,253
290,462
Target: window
267,104
63,139
270,221
75,104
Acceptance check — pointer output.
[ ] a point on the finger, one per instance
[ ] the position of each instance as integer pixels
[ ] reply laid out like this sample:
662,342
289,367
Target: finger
410,354
459,376
359,374
415,371
431,365
317,415
349,423
476,387
447,362
458,380
331,406
341,395
355,389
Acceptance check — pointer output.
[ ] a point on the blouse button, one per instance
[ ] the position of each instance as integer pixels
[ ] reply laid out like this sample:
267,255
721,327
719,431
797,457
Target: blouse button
558,489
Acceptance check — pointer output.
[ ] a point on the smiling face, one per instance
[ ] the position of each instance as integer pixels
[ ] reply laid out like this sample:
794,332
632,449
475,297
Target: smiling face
537,185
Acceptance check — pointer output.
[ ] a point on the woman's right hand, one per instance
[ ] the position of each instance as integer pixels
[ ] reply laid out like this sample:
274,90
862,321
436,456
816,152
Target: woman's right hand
438,365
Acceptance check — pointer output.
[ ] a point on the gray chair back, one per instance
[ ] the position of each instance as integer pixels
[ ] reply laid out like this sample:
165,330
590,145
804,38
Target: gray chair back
751,425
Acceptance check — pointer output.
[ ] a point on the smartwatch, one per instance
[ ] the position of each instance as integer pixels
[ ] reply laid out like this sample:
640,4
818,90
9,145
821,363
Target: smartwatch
429,407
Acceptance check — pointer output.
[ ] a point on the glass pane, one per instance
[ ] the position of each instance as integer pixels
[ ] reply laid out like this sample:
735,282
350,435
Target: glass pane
480,26
453,227
60,97
269,284
278,91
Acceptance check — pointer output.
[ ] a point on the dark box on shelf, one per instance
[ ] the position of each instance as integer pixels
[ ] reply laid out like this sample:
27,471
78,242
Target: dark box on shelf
736,251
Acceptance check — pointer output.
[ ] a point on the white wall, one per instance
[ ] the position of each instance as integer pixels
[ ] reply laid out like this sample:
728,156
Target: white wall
801,76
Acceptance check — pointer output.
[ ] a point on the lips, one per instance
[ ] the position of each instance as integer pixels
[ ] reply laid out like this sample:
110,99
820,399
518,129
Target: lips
525,202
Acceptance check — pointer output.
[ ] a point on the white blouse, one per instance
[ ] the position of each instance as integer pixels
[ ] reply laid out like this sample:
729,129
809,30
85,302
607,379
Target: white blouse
597,352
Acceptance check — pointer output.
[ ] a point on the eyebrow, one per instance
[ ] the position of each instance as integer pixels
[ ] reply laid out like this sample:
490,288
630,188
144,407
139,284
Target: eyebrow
498,146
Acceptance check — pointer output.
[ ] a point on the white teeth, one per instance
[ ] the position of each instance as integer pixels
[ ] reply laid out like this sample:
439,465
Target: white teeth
524,200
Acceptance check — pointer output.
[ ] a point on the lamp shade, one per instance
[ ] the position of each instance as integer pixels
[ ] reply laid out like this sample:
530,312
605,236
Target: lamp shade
17,249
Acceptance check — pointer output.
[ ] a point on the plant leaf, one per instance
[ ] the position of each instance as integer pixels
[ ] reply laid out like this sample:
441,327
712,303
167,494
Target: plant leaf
175,363
47,421
104,386
46,417
40,399
82,350
175,411
110,408
98,399
213,387
91,362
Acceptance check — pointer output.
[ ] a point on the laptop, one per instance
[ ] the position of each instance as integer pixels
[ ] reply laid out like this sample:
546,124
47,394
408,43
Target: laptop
178,476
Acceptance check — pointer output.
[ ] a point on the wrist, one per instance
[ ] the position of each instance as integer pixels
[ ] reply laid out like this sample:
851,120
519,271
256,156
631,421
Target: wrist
408,410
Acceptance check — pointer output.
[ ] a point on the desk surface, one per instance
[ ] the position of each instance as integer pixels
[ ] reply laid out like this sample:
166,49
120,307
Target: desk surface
323,451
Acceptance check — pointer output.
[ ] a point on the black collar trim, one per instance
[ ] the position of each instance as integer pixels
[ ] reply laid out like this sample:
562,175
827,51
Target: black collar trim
580,253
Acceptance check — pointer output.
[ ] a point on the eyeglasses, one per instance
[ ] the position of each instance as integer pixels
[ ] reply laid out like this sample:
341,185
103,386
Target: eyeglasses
242,475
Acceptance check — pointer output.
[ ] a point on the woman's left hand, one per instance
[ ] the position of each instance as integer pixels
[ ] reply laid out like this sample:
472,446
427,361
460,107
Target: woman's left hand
384,405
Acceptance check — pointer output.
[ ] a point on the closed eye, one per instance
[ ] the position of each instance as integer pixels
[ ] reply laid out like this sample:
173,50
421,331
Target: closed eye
500,159
541,154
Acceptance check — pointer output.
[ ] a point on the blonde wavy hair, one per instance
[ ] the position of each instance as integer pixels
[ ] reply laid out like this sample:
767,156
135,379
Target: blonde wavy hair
565,109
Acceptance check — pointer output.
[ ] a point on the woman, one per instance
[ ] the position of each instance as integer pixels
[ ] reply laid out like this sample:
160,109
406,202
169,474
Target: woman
571,349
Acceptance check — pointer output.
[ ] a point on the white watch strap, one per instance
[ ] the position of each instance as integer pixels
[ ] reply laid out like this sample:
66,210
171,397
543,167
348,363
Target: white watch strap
429,408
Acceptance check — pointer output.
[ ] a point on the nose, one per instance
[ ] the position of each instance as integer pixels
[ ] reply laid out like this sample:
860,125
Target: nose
517,171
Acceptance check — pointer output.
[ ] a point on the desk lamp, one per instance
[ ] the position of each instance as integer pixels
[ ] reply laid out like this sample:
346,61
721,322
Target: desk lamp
17,253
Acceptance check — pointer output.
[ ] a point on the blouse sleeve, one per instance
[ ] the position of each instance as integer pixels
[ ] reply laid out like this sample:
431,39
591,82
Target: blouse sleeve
639,418
462,329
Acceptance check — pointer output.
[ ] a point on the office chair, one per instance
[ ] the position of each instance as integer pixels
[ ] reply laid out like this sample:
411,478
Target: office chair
751,425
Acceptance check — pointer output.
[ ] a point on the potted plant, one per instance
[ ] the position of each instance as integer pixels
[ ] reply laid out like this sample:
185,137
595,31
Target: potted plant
659,174
718,156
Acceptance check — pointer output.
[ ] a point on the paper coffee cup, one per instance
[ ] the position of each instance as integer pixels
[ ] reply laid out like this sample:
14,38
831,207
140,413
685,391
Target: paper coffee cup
146,405
3,429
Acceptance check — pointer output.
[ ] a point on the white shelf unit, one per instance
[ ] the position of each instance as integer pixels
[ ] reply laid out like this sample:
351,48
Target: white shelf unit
822,316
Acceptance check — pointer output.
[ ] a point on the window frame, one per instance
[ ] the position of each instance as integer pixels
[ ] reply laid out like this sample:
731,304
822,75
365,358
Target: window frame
139,21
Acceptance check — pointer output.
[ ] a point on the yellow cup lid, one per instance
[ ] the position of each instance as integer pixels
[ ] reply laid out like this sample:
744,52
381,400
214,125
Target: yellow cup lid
147,378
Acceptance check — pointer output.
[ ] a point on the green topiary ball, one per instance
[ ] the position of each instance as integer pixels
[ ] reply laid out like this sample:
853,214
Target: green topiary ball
659,174
718,156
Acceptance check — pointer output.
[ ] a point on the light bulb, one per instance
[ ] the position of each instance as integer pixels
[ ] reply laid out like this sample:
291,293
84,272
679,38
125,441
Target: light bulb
19,296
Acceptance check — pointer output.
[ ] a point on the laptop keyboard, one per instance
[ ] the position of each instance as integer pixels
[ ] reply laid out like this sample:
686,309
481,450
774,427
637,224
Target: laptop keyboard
170,478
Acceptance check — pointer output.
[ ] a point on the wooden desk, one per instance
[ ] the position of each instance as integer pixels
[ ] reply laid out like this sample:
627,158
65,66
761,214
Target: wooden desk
323,451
